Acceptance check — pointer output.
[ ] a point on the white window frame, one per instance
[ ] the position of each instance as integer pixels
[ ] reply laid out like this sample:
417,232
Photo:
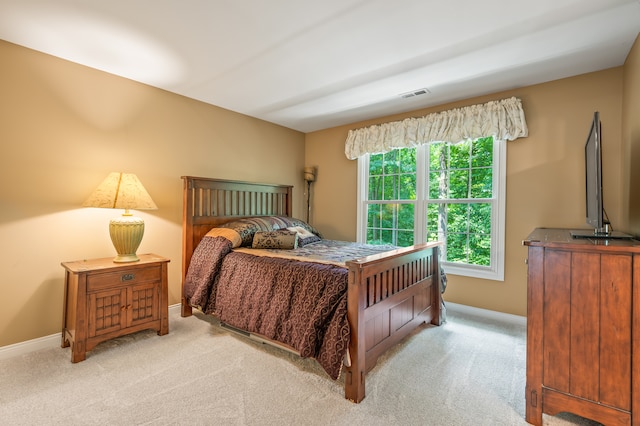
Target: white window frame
493,272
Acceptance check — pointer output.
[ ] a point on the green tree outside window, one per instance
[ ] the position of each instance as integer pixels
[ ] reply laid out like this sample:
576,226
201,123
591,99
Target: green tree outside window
456,207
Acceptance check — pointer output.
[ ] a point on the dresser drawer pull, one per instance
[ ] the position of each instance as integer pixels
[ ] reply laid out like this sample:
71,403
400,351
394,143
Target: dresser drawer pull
127,277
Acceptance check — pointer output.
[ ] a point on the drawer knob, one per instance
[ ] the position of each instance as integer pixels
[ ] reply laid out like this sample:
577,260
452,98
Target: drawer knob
127,277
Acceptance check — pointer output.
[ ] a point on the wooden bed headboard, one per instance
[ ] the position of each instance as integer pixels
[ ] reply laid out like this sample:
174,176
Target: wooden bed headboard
210,202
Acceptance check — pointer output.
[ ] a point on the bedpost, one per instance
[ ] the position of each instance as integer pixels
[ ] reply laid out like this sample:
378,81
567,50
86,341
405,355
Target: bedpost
354,386
187,237
436,290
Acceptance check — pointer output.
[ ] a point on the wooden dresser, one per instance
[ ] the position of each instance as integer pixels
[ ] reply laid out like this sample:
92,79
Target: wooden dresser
104,299
583,328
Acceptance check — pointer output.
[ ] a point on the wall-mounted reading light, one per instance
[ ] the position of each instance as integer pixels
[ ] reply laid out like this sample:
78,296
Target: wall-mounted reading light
309,176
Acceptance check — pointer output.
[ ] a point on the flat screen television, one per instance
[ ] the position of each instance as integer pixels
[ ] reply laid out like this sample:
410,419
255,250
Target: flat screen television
595,213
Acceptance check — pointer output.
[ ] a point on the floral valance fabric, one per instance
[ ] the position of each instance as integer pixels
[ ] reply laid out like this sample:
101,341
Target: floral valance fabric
502,119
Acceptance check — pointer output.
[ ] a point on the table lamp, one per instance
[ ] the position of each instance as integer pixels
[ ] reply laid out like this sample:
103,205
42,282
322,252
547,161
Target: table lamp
123,191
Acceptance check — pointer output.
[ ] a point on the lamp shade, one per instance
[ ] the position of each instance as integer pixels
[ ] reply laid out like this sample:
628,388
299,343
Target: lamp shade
310,174
123,191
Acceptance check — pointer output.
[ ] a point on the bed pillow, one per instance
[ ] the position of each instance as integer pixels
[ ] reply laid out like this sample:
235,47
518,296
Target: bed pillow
229,234
304,235
247,227
308,240
280,239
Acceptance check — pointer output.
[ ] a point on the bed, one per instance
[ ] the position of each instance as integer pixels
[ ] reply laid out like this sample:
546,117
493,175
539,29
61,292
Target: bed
386,295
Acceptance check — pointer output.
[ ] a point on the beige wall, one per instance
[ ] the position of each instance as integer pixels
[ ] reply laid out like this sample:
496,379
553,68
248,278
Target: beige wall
631,139
63,128
545,174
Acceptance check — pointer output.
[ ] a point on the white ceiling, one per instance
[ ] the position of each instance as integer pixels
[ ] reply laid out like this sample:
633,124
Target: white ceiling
314,64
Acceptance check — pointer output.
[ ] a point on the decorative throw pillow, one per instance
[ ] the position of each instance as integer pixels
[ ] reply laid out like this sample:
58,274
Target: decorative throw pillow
280,239
304,236
308,240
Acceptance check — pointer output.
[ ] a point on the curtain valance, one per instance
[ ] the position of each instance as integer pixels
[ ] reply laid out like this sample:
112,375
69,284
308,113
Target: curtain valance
502,119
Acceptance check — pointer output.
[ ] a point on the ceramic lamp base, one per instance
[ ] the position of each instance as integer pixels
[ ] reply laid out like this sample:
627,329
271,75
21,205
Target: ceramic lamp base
126,234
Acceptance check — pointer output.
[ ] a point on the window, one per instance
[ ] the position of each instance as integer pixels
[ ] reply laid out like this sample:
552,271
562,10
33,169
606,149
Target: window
452,193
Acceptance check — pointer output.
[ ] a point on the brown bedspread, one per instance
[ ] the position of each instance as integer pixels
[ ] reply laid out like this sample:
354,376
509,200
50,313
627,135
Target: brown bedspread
301,304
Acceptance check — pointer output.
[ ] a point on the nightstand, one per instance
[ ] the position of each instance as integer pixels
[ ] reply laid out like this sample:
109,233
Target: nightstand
104,299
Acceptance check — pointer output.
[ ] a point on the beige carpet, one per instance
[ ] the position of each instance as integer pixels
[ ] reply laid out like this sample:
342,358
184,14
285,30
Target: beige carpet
470,371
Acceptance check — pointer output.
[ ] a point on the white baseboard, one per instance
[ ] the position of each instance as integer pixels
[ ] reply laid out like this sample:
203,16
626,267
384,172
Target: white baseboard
46,342
486,313
32,345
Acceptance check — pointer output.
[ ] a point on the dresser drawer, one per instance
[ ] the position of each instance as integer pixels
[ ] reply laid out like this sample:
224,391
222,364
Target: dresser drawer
123,277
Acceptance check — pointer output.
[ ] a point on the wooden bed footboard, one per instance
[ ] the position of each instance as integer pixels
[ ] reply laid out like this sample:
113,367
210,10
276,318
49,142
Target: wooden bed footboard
389,294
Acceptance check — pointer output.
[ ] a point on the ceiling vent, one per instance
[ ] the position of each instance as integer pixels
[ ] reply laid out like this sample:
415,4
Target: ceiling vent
413,93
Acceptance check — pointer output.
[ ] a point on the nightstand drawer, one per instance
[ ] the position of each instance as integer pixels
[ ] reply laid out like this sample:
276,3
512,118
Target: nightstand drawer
122,277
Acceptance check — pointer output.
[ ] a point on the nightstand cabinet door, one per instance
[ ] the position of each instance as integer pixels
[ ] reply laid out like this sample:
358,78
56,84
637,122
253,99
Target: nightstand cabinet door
144,304
107,311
